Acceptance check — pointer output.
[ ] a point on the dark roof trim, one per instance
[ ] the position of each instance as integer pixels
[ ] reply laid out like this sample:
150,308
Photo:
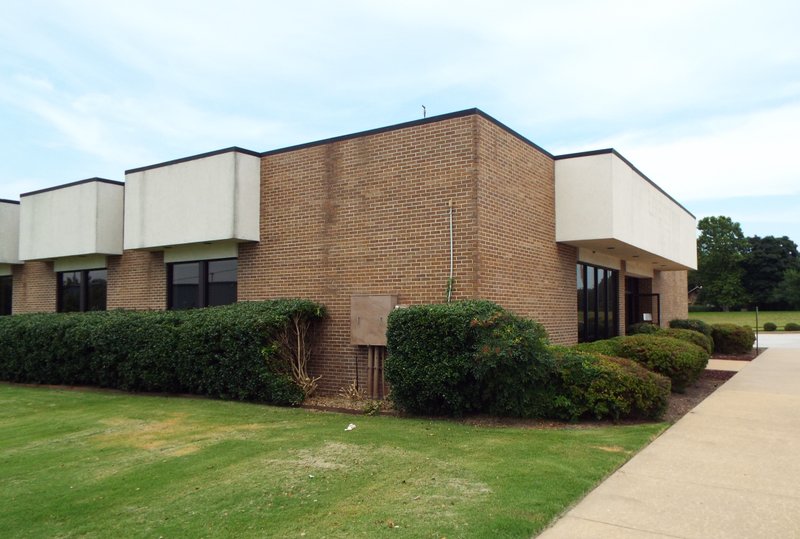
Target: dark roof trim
405,125
79,182
6,201
193,157
636,170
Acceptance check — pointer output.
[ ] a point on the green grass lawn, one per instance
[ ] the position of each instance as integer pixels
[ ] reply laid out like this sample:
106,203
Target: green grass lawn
102,464
748,318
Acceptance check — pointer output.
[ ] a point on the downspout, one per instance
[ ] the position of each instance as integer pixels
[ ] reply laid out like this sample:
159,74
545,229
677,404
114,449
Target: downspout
450,279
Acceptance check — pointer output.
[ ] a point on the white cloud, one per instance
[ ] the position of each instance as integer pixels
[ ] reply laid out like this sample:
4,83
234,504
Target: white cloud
698,94
749,155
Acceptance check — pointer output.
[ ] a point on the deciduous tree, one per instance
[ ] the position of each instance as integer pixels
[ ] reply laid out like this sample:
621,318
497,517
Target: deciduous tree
766,261
721,248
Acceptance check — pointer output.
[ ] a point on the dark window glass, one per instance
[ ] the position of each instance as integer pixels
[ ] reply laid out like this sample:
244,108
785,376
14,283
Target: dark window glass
221,282
69,293
581,302
613,302
6,289
96,293
83,290
602,303
597,302
591,304
202,284
185,285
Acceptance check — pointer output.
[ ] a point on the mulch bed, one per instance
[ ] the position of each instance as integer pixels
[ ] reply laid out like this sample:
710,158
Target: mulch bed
679,405
750,356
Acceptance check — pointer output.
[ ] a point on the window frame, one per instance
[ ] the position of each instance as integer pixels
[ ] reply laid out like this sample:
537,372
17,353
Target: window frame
83,293
203,283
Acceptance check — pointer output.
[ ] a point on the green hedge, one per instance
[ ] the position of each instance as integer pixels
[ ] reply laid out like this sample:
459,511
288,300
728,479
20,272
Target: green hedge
770,326
473,357
693,324
732,339
593,385
228,352
681,361
695,337
642,328
791,326
467,357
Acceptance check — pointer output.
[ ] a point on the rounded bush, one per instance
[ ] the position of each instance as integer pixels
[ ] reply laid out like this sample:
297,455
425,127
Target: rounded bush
467,357
769,326
791,326
598,386
642,328
607,347
732,339
693,324
695,337
680,361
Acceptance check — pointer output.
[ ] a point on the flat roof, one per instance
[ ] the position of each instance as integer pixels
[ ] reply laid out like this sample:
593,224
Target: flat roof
413,123
65,185
194,157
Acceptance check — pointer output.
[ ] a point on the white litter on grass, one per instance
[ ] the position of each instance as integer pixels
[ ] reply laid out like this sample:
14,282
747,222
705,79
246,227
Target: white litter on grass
351,426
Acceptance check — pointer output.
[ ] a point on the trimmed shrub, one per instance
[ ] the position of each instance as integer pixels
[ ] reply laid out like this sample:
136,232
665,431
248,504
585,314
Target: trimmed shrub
641,328
695,337
733,339
597,386
791,326
770,326
228,352
680,361
693,324
467,357
607,347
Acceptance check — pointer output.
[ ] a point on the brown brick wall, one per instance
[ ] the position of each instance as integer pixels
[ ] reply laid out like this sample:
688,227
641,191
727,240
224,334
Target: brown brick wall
672,285
137,280
367,215
34,288
520,264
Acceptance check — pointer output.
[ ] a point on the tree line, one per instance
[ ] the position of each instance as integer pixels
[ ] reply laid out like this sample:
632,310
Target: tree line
735,271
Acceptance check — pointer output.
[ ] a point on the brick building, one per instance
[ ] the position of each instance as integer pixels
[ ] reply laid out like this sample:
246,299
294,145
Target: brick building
459,204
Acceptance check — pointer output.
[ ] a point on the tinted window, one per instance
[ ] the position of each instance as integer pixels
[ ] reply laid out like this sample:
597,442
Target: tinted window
597,302
96,283
5,294
581,302
202,284
185,291
221,282
69,294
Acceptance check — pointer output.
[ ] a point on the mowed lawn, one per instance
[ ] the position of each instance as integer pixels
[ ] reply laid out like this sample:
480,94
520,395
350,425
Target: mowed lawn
103,464
748,318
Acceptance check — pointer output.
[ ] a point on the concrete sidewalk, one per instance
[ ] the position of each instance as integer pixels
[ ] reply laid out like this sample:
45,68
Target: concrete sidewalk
730,468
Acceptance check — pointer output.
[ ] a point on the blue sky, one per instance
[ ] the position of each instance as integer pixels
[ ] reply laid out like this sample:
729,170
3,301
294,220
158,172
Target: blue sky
702,96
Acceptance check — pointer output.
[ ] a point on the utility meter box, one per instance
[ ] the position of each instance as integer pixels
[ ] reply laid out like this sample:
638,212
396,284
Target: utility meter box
368,318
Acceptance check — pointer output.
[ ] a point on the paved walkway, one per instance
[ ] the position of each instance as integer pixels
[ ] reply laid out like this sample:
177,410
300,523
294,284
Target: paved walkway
726,365
728,469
